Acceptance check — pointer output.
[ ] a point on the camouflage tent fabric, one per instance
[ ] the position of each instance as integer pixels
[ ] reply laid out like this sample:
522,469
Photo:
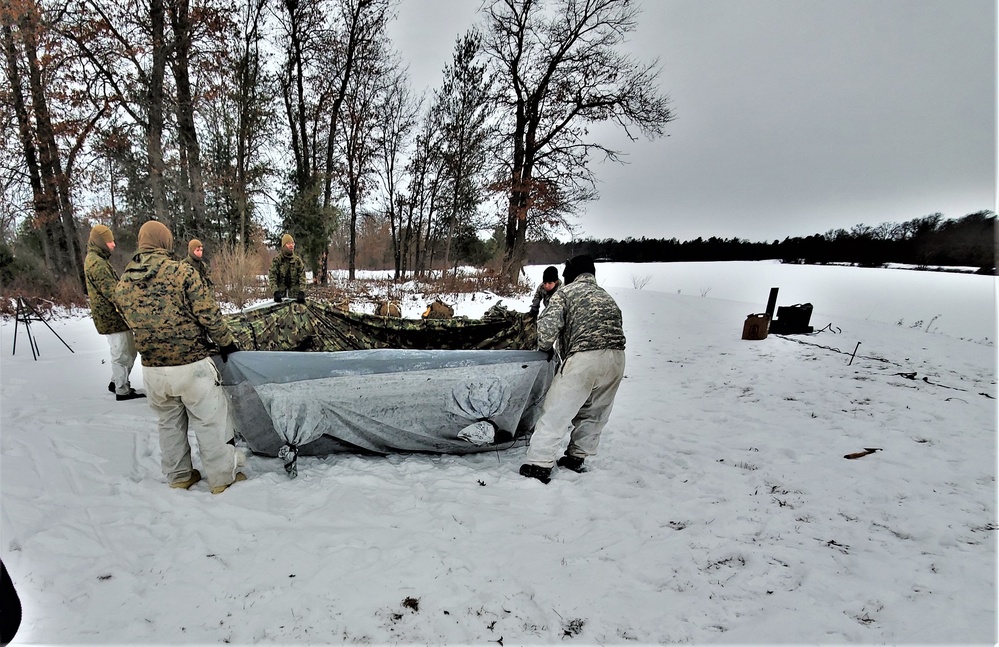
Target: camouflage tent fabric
382,384
317,326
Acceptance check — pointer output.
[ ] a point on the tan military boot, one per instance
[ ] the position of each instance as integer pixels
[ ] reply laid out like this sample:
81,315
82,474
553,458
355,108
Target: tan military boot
191,480
219,489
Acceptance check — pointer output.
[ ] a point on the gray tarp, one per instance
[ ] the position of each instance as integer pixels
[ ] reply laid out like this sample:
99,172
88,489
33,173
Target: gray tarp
384,401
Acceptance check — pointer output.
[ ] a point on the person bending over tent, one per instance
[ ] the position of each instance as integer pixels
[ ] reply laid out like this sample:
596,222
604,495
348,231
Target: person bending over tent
172,313
586,323
287,275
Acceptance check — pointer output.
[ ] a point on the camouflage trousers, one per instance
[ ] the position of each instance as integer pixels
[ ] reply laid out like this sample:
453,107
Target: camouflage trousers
190,398
122,359
580,396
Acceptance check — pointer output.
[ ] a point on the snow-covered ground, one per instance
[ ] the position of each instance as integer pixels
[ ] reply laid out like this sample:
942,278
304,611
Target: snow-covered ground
720,508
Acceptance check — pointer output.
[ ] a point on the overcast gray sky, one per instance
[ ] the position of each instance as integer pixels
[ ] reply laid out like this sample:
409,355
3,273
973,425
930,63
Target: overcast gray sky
794,117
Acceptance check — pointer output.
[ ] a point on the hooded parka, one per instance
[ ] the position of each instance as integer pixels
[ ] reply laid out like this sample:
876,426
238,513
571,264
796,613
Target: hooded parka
101,283
169,308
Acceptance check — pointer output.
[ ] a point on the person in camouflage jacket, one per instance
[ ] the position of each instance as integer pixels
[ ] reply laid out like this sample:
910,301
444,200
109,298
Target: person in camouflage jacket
101,282
175,319
196,259
549,284
585,323
287,276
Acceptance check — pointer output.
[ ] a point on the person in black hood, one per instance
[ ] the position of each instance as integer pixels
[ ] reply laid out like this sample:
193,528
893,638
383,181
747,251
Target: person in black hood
549,284
584,323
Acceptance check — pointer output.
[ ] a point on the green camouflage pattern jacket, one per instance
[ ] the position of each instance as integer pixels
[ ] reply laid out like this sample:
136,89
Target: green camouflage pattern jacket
101,283
318,326
581,316
201,266
287,275
170,310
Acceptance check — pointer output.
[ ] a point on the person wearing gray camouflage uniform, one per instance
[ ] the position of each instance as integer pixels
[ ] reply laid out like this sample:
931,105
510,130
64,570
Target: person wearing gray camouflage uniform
287,276
172,314
585,323
101,282
549,284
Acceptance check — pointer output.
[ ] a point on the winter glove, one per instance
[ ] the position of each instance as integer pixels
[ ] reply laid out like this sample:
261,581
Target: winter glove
278,296
551,354
228,350
301,297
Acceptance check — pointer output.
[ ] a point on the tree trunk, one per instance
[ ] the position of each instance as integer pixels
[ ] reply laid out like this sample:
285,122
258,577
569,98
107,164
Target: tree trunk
154,127
23,121
352,254
241,190
188,136
449,234
248,82
53,207
516,231
396,239
40,201
516,219
304,170
348,69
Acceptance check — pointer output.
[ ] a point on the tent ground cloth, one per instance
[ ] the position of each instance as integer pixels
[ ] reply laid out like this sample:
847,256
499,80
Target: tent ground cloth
381,384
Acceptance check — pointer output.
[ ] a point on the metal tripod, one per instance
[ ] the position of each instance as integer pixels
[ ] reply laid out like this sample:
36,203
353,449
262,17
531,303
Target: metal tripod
24,315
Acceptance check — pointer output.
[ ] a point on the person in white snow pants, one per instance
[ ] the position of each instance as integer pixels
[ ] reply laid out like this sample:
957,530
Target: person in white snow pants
581,395
585,324
177,323
190,398
102,280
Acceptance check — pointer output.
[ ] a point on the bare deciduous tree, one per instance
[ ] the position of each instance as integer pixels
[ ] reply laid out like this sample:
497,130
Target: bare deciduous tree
396,120
126,49
357,143
33,67
560,69
237,121
425,180
328,44
183,49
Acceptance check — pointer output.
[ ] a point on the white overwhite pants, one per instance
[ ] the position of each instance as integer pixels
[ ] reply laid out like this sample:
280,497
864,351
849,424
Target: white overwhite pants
582,395
190,397
122,359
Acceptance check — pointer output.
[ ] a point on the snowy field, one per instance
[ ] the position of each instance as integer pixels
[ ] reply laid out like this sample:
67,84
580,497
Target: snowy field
961,305
720,509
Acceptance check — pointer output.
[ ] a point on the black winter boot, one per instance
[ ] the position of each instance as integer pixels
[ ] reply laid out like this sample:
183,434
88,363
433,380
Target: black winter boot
573,463
543,474
131,395
111,386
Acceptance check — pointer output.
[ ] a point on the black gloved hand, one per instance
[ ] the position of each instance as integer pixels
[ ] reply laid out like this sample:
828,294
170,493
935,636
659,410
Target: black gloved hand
228,350
278,296
301,297
551,354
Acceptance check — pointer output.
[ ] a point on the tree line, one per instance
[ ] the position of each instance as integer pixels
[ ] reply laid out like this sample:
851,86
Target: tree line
925,241
209,115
